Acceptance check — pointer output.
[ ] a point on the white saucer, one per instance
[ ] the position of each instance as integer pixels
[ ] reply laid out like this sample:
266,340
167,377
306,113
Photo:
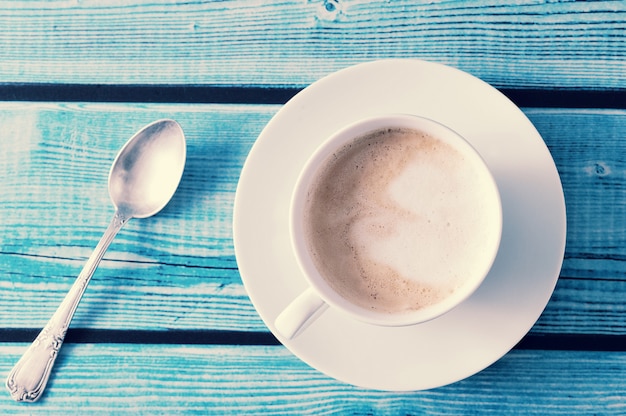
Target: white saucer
488,324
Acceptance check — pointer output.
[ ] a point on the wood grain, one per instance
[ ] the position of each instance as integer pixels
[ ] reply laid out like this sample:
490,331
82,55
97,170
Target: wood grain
147,379
518,44
177,270
588,149
55,207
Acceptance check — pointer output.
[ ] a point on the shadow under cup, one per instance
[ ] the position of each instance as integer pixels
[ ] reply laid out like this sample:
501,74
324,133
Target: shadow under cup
395,220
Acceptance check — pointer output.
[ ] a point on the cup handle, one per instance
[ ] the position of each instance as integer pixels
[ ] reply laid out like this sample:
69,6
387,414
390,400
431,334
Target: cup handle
301,312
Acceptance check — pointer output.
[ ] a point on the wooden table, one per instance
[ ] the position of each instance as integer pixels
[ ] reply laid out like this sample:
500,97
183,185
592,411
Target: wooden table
166,326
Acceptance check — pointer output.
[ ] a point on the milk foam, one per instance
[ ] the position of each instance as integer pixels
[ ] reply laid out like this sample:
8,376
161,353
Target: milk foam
395,219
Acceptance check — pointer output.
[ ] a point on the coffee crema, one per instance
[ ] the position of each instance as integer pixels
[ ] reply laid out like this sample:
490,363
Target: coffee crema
395,218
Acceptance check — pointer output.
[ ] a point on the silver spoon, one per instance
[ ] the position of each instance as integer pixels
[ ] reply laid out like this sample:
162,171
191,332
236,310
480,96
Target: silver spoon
142,180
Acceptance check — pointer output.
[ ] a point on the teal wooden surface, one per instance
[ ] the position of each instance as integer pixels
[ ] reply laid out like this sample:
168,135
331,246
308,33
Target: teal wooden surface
514,44
269,380
59,206
176,273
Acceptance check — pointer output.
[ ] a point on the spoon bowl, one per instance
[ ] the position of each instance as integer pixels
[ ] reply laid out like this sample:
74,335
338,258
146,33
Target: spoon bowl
142,180
147,170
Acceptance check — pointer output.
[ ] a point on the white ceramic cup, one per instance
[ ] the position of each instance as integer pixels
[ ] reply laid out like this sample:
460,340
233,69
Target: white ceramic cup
479,216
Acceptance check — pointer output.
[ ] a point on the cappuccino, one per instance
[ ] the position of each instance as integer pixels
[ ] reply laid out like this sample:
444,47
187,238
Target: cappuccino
395,220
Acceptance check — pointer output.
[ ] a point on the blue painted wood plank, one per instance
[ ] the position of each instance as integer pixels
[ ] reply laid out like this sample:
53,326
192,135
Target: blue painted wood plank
509,44
178,270
588,149
178,267
153,379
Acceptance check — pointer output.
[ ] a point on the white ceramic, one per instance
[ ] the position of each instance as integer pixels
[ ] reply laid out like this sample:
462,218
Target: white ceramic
488,324
305,307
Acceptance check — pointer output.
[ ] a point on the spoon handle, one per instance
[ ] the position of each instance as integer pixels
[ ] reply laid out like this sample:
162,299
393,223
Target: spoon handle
28,378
